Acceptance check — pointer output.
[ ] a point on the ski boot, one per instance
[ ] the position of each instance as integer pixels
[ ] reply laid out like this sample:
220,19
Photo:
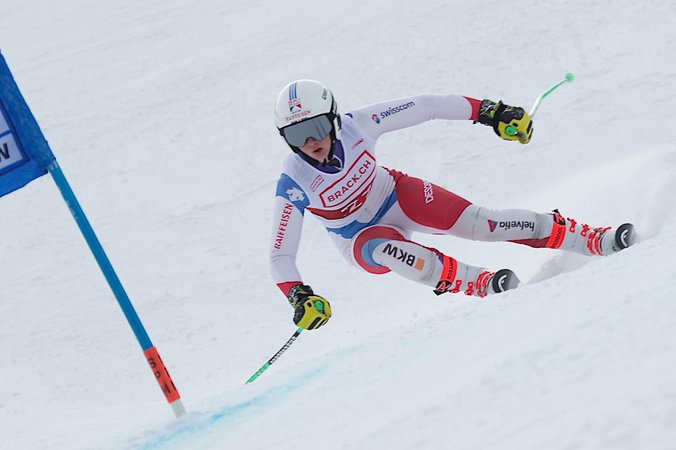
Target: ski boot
567,234
457,277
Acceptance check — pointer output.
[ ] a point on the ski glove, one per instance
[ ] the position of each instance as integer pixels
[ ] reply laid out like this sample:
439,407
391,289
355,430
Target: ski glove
509,122
310,311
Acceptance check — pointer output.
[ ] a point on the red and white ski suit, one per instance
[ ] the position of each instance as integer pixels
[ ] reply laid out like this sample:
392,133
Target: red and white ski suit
370,211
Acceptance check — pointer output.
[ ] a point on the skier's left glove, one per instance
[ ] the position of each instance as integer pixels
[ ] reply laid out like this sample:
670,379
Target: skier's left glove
504,118
310,311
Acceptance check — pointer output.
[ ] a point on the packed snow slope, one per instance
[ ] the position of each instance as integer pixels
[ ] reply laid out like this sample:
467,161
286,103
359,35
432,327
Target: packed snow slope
160,114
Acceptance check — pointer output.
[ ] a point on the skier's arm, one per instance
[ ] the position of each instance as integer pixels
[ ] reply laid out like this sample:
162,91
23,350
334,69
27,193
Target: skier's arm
310,310
509,122
287,227
406,112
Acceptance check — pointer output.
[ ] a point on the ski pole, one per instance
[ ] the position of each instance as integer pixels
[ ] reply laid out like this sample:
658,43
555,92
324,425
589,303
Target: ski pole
511,131
274,358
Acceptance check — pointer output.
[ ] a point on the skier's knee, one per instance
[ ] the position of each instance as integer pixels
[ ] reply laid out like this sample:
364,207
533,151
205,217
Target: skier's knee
365,242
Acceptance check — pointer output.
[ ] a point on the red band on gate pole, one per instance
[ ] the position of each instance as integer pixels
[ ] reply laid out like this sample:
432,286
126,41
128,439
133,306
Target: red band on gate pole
161,374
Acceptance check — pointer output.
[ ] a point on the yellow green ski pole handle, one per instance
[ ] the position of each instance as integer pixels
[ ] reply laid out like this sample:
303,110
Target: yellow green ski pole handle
511,131
265,366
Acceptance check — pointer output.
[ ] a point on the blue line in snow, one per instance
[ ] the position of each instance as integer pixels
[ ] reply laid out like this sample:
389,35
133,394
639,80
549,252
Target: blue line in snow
194,425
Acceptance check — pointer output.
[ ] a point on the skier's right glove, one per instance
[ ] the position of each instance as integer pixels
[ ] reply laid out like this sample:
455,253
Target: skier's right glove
310,311
504,118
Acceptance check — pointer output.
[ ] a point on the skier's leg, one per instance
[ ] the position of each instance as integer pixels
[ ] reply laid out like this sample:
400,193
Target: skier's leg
429,208
381,249
537,230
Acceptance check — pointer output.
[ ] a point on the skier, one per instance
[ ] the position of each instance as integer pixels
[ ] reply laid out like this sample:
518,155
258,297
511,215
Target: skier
370,211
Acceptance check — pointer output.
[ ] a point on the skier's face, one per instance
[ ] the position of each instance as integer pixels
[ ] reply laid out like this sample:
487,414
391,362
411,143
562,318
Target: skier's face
318,150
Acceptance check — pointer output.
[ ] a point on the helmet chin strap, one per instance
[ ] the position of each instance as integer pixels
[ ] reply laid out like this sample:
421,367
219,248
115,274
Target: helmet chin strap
331,150
332,160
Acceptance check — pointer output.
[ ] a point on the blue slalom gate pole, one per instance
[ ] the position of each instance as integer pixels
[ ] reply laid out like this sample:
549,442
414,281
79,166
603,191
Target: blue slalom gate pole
25,156
149,350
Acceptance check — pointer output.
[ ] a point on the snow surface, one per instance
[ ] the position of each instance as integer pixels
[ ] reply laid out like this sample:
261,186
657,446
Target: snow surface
160,113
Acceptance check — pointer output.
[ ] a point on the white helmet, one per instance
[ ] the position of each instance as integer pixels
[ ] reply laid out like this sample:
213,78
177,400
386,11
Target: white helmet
304,109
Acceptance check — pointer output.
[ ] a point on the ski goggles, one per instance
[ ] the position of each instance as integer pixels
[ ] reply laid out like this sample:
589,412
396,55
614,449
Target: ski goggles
297,134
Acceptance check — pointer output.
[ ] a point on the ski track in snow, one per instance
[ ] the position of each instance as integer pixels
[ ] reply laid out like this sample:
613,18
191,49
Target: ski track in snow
618,184
228,416
195,424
